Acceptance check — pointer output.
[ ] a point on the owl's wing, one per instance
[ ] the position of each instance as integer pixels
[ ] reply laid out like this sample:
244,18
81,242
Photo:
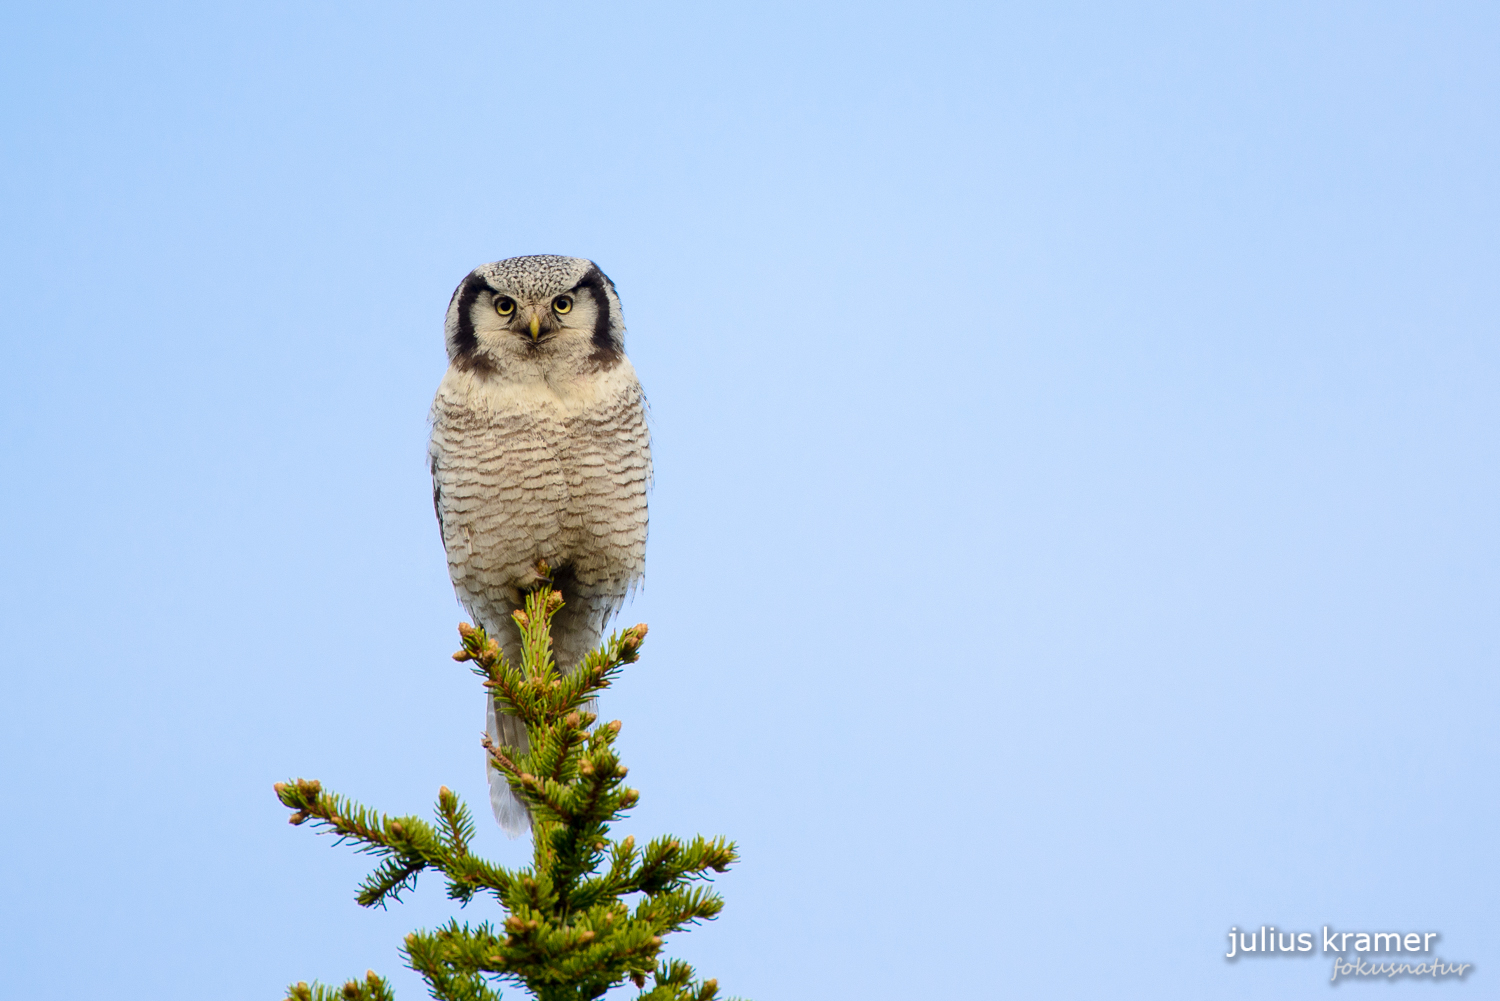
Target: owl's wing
437,498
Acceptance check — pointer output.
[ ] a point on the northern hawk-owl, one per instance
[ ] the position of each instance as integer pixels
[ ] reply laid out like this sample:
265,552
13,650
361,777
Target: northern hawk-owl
540,456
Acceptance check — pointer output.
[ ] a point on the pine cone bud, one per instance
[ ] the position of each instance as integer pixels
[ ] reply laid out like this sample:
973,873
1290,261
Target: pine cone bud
630,642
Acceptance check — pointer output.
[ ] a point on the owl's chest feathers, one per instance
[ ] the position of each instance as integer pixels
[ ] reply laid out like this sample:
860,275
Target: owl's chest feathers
527,469
523,421
535,392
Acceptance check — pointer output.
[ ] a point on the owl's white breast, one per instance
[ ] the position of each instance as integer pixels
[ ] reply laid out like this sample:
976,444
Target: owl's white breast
528,467
535,392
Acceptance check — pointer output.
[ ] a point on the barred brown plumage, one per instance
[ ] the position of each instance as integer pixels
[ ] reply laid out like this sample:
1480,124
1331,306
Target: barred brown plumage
541,460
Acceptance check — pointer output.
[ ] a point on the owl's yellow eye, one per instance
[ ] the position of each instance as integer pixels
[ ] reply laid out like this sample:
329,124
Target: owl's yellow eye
505,305
562,304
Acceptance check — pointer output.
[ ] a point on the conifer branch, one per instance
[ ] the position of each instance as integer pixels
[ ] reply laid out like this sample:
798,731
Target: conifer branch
568,933
372,988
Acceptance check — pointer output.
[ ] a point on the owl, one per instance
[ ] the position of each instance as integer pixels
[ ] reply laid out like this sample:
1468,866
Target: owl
540,458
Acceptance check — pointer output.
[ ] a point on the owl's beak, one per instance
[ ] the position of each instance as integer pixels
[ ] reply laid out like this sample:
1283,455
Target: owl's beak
534,322
538,320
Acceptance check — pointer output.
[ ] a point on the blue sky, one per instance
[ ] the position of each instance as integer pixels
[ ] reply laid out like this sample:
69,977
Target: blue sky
1075,432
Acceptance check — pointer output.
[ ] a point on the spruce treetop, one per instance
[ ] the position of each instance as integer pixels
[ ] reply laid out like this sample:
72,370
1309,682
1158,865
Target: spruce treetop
569,933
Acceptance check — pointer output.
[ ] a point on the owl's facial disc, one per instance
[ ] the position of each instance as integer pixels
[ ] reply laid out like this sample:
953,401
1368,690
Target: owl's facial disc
532,315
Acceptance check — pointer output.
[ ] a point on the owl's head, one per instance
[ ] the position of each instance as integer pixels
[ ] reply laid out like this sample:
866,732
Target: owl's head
527,311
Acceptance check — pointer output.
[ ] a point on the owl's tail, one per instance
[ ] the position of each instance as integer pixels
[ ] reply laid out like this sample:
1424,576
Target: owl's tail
505,731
